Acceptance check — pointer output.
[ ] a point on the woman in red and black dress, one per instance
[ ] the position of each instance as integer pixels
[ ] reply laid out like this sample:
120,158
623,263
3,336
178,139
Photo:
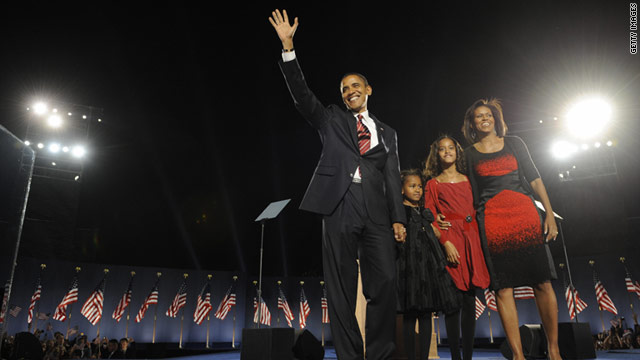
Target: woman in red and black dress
514,235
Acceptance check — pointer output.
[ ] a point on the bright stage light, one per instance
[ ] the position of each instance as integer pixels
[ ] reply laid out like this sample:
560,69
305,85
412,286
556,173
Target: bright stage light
54,148
597,144
563,149
78,151
27,142
54,121
609,143
40,108
588,118
65,149
40,146
584,147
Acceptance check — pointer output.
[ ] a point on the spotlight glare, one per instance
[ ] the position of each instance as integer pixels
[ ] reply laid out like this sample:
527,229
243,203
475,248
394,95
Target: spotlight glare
597,144
78,151
84,116
27,142
588,118
76,178
563,149
540,121
54,148
40,145
561,176
584,147
65,149
53,163
40,108
55,110
54,121
69,114
609,143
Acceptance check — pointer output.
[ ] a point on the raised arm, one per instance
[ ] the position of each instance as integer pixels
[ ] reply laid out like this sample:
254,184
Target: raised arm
304,99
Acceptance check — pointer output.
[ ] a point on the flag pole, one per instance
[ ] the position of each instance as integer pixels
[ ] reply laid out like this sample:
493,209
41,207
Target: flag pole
208,317
37,309
438,324
322,321
592,263
66,336
106,271
182,316
155,317
490,328
233,336
626,271
126,327
277,311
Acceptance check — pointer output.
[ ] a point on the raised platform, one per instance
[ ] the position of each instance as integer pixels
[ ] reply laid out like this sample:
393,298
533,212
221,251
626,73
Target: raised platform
443,353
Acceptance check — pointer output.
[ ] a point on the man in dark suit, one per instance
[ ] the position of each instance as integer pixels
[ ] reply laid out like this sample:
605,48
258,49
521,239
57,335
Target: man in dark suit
356,187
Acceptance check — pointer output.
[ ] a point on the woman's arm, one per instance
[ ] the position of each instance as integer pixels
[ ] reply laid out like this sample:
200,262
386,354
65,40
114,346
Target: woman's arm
550,226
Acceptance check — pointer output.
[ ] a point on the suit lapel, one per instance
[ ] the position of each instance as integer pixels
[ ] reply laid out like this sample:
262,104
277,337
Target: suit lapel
353,130
380,132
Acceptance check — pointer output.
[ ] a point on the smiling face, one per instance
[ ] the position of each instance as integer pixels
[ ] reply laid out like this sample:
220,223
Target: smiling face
355,93
412,189
483,120
447,154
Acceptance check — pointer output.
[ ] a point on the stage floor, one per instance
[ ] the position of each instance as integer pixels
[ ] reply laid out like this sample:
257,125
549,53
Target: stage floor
443,352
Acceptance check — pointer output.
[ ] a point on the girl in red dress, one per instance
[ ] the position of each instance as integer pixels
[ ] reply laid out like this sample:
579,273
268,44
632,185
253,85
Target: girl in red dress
449,193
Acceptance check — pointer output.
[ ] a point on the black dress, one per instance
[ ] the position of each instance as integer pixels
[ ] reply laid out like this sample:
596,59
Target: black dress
509,221
423,282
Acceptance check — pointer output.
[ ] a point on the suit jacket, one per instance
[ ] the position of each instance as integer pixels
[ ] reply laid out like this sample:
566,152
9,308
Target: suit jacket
379,167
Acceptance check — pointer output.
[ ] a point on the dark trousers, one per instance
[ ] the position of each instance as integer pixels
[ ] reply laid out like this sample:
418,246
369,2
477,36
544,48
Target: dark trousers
348,234
452,322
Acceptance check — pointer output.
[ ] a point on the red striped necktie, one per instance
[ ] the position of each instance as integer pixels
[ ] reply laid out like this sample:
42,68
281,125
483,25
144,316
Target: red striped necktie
364,136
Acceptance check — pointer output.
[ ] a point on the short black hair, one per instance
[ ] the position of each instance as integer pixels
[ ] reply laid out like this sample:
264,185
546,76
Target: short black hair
366,82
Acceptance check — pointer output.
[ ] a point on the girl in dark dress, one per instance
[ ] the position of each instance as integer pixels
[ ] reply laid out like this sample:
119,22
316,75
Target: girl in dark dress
504,180
448,193
424,286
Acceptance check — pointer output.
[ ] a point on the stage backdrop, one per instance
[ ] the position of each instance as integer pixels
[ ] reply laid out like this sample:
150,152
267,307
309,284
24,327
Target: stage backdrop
58,276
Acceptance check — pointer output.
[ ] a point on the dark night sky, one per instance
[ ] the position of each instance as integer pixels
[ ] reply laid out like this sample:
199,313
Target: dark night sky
198,120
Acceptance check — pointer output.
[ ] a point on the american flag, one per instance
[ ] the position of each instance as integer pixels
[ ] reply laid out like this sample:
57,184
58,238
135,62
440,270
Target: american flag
179,300
604,301
479,308
34,299
574,303
43,316
69,298
14,310
5,302
631,286
203,306
227,302
304,309
324,304
523,292
265,314
92,308
152,298
118,313
490,298
284,306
